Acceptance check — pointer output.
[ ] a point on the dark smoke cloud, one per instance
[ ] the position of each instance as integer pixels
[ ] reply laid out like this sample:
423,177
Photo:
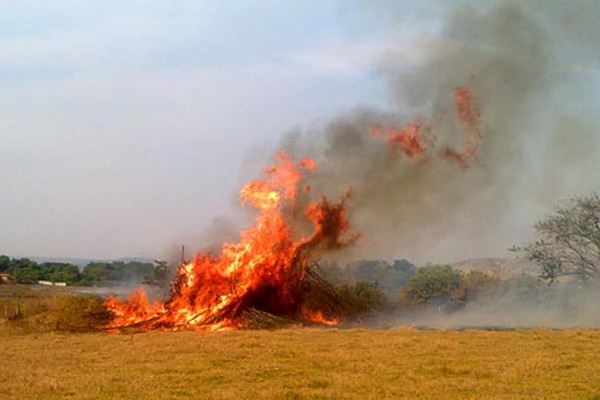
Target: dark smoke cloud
519,65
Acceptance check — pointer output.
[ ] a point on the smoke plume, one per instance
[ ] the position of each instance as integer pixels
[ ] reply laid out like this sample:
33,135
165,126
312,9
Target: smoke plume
519,65
559,306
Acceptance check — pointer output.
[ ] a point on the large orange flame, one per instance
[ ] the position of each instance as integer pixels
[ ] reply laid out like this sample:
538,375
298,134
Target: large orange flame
264,270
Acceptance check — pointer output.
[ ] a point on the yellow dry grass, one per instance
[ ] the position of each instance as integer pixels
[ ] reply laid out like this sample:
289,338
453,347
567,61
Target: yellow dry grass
302,364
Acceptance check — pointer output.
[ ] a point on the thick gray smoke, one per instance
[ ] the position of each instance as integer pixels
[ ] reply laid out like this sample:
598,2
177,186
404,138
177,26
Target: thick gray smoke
524,65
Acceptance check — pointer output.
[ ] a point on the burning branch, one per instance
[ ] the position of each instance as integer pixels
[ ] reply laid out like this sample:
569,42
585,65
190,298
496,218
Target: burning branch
468,116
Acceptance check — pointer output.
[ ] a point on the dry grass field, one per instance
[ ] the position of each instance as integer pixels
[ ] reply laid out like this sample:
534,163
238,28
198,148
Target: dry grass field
302,364
39,360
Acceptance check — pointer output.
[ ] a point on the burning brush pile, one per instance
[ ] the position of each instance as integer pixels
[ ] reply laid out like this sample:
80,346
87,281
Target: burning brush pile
263,277
267,277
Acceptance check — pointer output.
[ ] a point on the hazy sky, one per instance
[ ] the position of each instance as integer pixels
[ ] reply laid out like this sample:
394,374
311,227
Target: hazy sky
127,127
124,125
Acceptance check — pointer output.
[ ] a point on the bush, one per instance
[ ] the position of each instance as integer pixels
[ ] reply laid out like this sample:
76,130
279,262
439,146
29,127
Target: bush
432,284
474,286
362,297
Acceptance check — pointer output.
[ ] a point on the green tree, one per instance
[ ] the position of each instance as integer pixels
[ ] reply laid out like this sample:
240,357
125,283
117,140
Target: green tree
160,275
432,284
403,270
24,270
94,274
568,242
59,272
106,273
4,264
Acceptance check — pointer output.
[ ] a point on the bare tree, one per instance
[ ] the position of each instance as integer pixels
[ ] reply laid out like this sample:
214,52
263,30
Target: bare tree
568,242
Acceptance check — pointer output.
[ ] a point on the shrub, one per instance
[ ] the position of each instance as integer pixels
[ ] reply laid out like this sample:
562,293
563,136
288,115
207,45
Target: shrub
432,284
474,286
362,297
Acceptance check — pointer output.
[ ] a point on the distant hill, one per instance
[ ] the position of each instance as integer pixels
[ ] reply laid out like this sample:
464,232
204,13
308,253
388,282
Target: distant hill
501,267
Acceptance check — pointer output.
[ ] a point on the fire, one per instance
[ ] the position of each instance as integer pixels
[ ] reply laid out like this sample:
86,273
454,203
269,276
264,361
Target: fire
417,139
267,273
468,117
319,318
410,138
265,270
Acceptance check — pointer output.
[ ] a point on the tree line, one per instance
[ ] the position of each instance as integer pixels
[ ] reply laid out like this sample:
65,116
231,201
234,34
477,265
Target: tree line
370,285
26,271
